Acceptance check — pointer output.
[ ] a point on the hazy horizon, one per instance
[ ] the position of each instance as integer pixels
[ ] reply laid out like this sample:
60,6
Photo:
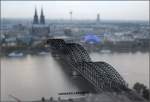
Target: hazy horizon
103,20
82,10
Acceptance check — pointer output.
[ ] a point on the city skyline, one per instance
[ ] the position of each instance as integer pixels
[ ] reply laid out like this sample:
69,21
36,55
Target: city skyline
81,10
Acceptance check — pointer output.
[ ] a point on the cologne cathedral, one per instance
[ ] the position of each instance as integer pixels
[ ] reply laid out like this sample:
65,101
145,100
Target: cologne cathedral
39,28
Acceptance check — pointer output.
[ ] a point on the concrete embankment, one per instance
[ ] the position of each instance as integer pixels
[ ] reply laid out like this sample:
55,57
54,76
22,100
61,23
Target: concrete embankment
103,97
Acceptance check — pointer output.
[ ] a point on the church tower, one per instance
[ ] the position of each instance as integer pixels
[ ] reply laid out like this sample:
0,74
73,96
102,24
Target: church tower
39,29
98,17
42,17
35,20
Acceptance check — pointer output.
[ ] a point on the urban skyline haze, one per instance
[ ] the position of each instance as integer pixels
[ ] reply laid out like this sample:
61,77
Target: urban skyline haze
108,10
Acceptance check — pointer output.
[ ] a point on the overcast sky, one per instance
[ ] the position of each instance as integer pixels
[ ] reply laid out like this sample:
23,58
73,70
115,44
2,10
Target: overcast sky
109,10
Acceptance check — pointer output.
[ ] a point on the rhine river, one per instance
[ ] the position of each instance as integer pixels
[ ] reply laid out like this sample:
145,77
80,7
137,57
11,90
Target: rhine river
32,77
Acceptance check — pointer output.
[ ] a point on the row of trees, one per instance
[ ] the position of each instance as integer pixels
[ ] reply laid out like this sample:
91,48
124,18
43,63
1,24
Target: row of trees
142,90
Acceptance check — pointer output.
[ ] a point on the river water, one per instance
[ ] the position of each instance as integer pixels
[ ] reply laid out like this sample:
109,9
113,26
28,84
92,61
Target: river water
31,77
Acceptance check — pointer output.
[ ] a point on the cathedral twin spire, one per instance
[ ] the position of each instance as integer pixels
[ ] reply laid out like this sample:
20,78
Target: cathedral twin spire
42,17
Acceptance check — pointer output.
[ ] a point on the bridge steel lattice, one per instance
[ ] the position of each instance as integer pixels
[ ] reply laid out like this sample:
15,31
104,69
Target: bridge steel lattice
100,74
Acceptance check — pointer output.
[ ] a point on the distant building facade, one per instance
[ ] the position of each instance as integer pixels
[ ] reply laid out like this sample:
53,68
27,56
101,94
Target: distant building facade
39,28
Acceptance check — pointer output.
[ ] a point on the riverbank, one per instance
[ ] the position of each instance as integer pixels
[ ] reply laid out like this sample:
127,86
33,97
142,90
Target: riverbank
102,97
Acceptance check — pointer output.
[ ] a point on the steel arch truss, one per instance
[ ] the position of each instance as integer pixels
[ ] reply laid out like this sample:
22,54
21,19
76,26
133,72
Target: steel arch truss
100,74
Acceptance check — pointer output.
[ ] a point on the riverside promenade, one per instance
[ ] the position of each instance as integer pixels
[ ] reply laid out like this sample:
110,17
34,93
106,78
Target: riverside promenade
103,97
